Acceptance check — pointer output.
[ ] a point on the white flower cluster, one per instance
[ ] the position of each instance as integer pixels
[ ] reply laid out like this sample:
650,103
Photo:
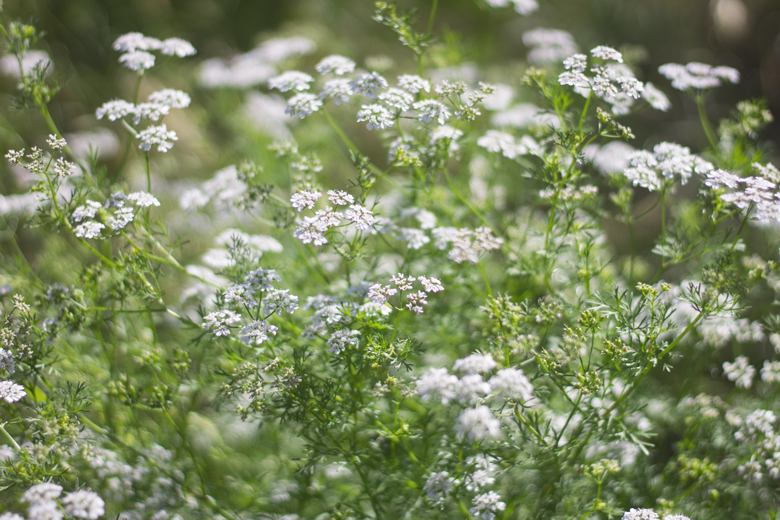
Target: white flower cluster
328,312
257,290
612,81
486,506
698,76
756,431
313,229
158,136
496,141
42,500
218,322
11,392
477,421
523,7
467,244
666,161
390,102
548,46
415,301
740,371
761,191
122,215
136,50
39,164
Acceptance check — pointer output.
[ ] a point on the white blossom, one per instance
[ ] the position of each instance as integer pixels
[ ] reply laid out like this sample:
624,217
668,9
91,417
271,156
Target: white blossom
487,505
548,46
431,109
437,382
640,514
42,493
291,80
511,383
170,98
143,199
478,424
177,47
158,136
416,301
89,229
740,371
475,364
361,216
501,142
88,210
311,230
376,116
305,199
606,53
135,41
379,293
151,111
668,160
369,84
397,99
303,105
342,339
431,284
523,7
414,238
262,279
339,65
340,198
84,504
770,372
413,83
218,322
339,90
471,388
46,510
447,136
278,300
115,109
656,98
10,392
698,76
121,218
137,60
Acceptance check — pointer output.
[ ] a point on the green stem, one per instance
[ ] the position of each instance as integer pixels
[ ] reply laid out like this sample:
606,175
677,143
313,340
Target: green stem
430,20
585,110
148,174
705,123
10,439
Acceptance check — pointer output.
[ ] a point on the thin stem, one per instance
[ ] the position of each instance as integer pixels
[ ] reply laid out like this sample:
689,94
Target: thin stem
10,439
705,123
430,20
485,278
148,174
585,110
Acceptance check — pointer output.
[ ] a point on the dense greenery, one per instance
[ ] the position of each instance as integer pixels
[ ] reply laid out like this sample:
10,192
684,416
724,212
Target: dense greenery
383,262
